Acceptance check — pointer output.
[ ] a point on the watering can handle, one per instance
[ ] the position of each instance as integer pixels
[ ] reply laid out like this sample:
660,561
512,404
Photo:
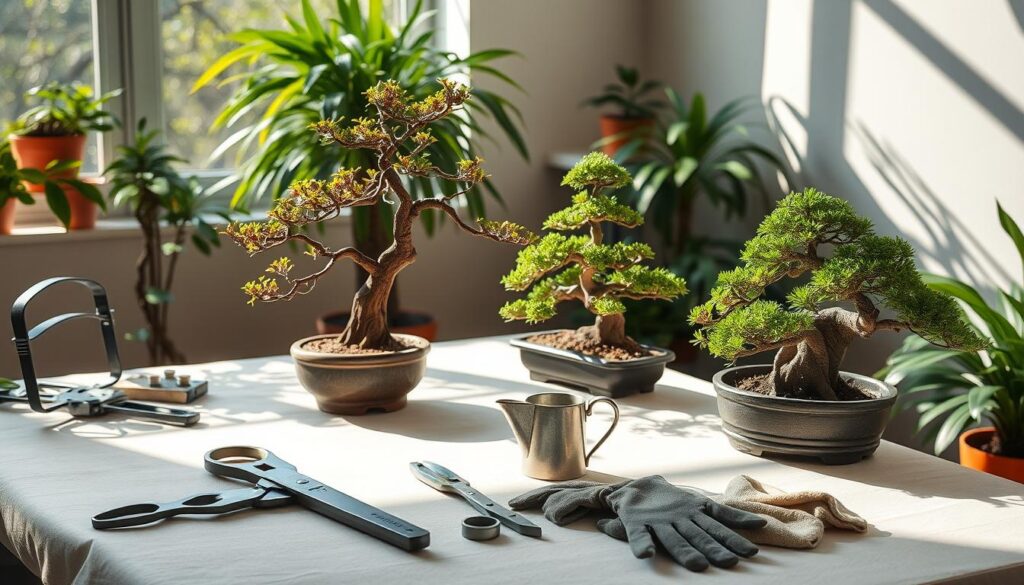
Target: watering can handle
615,421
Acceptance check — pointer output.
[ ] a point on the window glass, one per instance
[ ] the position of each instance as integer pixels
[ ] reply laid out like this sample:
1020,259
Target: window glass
42,41
194,36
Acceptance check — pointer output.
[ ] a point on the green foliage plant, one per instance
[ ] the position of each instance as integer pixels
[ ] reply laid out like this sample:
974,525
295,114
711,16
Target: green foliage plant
66,110
144,179
13,179
320,68
812,336
582,267
399,133
952,390
629,97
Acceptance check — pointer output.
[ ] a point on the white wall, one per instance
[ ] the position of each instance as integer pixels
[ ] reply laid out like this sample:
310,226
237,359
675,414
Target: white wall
568,50
911,110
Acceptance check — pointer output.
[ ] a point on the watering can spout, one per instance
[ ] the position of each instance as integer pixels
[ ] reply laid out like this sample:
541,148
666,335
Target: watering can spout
520,417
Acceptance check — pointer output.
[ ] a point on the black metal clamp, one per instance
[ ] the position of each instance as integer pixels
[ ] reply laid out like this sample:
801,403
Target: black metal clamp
87,401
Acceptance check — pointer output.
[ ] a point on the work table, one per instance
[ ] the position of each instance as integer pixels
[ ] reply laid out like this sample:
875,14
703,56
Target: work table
930,520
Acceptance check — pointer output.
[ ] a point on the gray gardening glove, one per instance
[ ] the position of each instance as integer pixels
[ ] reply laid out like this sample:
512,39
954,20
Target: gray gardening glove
566,502
691,527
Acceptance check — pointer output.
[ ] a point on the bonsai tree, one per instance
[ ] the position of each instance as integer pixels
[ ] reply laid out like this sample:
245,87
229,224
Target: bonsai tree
863,271
144,178
583,268
398,136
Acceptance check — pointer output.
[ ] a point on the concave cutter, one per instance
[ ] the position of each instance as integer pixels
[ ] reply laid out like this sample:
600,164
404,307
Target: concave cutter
445,480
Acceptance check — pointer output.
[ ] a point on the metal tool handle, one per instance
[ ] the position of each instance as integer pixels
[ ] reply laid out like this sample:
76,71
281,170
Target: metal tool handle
615,421
253,462
172,416
211,503
431,478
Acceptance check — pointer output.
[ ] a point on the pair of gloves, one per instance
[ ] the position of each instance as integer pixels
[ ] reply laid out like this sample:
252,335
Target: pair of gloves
696,528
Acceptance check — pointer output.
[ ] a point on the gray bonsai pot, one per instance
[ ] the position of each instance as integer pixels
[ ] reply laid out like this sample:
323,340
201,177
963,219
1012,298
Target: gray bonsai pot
837,433
358,384
613,379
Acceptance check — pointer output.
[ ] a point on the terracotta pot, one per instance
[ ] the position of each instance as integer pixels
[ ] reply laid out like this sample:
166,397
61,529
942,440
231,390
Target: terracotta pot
83,211
35,152
359,384
406,322
7,217
612,125
973,456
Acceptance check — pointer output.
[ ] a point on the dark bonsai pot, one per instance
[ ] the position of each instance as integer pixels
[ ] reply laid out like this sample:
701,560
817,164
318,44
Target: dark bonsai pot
361,383
835,432
406,322
613,379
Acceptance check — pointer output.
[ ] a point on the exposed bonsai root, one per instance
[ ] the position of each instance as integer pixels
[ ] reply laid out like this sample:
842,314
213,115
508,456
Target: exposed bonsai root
574,340
762,384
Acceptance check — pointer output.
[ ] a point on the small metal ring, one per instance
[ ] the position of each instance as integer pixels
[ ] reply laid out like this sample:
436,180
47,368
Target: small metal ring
480,528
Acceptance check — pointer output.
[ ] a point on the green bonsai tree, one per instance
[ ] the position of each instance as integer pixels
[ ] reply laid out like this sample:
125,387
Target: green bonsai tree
863,270
584,268
398,137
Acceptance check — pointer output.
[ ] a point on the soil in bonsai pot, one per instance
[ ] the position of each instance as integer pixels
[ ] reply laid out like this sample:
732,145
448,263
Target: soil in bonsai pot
845,389
573,341
336,346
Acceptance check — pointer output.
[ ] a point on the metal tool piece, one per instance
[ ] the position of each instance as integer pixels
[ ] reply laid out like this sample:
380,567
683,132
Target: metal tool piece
443,479
264,495
254,464
87,401
480,528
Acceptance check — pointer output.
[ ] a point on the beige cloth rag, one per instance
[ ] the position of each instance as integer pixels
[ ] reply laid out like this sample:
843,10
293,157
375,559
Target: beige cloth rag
795,520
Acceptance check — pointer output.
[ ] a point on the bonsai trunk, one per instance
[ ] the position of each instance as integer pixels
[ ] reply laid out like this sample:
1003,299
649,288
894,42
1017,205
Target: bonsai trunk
149,272
373,242
609,330
811,366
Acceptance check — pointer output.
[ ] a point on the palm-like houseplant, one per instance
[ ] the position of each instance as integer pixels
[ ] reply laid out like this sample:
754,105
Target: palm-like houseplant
318,70
954,390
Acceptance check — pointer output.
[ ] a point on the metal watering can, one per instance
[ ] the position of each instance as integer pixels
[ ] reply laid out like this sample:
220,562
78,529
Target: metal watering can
550,429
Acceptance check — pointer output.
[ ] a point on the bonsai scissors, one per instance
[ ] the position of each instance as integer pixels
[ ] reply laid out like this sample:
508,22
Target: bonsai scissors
277,483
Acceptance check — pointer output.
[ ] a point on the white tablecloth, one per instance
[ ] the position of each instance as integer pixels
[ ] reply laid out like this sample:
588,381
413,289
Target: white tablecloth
930,519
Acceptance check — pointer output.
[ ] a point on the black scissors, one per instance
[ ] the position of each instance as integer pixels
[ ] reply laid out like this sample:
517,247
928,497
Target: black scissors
277,483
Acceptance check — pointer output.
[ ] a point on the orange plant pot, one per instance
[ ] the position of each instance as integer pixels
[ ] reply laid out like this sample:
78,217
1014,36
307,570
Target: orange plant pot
83,212
972,456
35,152
7,217
613,125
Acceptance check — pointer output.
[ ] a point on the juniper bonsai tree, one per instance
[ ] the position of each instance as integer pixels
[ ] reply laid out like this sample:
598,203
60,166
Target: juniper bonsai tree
582,267
398,137
864,271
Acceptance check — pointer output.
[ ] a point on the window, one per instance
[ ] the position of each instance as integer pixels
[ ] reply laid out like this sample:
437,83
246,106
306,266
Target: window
41,41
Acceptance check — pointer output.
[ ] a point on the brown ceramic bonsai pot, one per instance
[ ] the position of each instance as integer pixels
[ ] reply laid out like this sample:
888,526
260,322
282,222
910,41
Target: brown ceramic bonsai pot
612,379
35,152
973,456
359,384
615,125
408,322
835,432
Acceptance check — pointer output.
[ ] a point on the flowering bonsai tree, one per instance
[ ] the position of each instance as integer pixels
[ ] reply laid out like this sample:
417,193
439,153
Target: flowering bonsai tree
863,270
583,268
398,137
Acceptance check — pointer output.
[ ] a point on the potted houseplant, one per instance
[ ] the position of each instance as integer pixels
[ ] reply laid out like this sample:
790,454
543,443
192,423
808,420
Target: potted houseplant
598,357
14,182
633,109
803,404
367,367
954,390
320,68
685,155
143,177
55,130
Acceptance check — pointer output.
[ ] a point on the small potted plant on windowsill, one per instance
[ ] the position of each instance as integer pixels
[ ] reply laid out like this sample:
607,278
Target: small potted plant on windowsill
953,390
557,268
803,404
366,367
633,109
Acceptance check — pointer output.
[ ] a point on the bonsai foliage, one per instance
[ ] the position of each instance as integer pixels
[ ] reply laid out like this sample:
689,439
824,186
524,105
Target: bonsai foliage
629,95
582,267
399,138
951,390
66,110
144,178
864,270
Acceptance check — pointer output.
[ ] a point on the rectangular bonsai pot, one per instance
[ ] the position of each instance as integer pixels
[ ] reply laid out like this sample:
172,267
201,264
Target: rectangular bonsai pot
613,379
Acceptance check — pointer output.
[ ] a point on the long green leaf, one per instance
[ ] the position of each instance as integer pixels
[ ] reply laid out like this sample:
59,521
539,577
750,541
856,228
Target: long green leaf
58,202
1013,230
